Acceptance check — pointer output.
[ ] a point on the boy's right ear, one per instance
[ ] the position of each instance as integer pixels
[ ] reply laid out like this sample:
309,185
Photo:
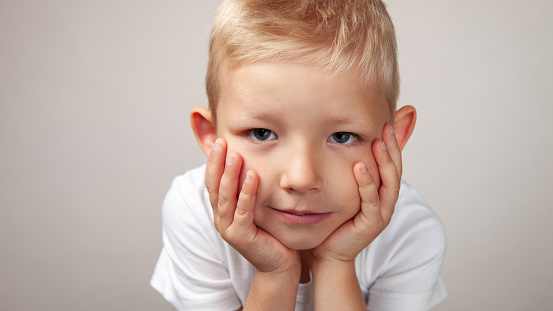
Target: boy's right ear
203,127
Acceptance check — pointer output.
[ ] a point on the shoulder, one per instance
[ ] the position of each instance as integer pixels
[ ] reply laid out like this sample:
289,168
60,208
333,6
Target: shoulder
189,185
187,197
415,222
415,232
187,216
192,271
401,268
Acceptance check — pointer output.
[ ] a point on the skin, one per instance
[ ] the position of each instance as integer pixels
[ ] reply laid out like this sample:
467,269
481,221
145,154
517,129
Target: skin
294,142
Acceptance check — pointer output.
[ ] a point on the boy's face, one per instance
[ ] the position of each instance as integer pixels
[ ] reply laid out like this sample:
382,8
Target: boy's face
301,130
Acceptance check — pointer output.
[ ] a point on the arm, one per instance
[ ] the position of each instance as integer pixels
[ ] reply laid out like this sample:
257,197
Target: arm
335,282
278,268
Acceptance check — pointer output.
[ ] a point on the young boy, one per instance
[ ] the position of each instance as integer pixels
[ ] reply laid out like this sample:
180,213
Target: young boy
293,209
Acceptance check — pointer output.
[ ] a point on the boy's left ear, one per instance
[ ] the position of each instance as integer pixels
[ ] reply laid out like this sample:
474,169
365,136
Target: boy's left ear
404,124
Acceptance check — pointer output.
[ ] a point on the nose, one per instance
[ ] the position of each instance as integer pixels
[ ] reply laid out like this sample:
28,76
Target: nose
301,173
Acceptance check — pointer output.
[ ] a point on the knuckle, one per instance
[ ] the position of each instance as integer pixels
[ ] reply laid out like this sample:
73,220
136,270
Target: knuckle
373,200
245,196
222,202
241,211
244,192
210,187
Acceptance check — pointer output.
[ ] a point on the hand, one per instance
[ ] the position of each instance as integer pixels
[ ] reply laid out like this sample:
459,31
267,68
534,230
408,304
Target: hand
377,203
233,214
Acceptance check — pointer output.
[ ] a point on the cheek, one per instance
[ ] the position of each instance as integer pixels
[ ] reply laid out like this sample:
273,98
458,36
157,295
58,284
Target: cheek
234,144
259,165
342,183
345,192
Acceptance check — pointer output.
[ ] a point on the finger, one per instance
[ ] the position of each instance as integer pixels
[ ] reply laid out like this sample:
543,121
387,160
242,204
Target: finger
390,139
368,192
228,190
244,213
214,171
389,188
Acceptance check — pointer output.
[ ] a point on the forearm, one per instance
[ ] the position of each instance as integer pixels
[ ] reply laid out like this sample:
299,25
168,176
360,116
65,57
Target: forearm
272,291
335,286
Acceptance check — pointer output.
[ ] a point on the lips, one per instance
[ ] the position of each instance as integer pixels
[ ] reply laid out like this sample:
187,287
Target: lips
301,218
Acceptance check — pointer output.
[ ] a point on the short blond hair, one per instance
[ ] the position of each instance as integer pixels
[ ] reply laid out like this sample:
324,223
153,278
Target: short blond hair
340,36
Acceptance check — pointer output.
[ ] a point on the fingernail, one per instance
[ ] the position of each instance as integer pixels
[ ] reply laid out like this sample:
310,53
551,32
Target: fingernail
230,159
383,146
248,178
364,168
392,130
217,145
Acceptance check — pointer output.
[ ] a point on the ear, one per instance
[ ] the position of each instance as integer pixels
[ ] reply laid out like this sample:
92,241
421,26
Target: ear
404,124
203,127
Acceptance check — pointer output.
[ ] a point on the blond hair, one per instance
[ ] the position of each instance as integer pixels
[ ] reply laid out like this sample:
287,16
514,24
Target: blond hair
340,36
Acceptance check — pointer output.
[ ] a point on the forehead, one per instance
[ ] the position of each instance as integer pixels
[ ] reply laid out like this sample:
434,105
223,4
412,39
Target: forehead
274,87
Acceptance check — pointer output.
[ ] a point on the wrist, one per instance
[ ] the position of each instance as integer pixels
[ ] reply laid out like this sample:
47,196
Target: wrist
281,275
335,285
328,258
284,270
329,265
274,290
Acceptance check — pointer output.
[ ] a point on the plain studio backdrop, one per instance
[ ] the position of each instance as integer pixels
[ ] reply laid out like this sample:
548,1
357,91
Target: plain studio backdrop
95,97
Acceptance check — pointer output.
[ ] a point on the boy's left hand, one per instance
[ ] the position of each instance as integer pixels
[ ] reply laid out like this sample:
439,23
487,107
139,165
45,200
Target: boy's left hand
377,203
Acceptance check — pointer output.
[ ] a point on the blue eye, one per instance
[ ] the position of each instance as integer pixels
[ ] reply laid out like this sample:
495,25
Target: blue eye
261,135
343,138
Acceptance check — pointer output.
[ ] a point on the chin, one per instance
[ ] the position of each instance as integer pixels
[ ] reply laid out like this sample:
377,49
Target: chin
298,243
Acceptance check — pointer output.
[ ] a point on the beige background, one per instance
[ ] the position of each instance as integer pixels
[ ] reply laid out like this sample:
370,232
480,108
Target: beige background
94,125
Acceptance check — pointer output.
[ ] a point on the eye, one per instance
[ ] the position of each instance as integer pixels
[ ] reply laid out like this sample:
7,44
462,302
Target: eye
261,135
343,138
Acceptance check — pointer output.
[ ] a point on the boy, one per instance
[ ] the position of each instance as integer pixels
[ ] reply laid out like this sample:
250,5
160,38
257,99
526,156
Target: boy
293,209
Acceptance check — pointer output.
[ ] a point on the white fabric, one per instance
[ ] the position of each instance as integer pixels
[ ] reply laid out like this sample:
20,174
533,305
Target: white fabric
198,270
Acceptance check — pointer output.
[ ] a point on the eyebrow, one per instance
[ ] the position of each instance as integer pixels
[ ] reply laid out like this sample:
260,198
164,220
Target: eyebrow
265,116
256,115
336,121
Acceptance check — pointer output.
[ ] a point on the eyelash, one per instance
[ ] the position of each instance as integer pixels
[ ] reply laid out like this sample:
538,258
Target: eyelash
358,139
246,134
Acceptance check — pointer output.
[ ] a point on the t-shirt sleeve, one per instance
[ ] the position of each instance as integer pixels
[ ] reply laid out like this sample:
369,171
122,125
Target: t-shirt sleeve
190,272
415,244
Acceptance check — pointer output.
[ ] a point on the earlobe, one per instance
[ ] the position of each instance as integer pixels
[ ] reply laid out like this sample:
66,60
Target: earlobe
405,119
203,127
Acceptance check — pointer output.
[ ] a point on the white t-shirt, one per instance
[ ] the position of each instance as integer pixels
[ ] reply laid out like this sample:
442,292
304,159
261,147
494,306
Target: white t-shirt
198,270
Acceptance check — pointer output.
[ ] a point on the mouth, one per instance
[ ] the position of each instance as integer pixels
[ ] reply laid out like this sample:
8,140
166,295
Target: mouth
301,218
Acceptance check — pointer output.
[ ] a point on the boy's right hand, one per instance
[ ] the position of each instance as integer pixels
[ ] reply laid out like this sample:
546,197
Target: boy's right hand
233,214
